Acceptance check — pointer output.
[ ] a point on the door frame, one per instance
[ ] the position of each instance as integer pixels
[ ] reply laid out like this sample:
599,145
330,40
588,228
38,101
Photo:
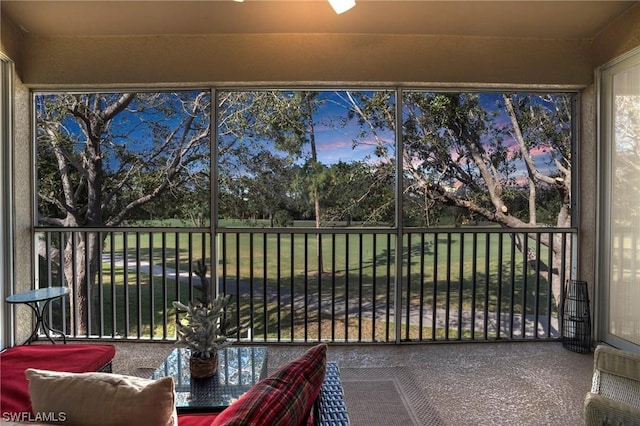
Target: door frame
604,80
7,72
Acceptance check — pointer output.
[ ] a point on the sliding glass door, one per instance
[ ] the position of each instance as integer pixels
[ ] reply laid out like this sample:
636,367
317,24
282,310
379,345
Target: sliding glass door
620,258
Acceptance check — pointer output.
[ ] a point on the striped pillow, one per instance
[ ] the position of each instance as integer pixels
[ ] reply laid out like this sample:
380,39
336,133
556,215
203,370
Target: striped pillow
284,398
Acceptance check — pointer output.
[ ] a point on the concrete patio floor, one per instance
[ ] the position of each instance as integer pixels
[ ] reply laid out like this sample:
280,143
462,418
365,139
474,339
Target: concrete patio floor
506,383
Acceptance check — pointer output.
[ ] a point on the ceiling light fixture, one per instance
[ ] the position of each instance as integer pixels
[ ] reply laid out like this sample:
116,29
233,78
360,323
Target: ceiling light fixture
342,5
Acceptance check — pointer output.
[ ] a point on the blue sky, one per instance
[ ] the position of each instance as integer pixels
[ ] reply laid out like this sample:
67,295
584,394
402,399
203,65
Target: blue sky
335,143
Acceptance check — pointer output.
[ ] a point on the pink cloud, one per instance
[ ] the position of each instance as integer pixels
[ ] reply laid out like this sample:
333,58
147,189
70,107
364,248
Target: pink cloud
335,144
540,150
537,151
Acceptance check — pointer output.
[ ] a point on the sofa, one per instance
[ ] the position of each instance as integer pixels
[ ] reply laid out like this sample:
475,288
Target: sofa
304,391
74,358
614,398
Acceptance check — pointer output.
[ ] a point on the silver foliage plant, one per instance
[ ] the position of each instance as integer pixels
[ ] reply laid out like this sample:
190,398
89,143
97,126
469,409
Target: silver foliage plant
203,329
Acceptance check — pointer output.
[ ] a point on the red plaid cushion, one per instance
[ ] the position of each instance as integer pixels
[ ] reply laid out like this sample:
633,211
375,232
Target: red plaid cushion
284,398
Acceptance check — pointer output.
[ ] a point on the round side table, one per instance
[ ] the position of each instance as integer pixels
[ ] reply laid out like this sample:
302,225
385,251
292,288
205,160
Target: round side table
38,300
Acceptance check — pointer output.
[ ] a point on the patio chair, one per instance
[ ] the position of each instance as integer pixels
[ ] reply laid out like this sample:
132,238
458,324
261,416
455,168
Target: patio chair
615,392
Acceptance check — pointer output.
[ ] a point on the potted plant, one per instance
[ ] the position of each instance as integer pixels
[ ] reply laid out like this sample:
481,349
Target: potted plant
204,328
201,332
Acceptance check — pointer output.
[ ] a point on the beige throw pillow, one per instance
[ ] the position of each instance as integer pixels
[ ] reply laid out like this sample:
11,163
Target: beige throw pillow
102,399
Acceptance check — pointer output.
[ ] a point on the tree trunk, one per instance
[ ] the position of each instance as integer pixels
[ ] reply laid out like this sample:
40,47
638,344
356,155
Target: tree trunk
79,280
316,195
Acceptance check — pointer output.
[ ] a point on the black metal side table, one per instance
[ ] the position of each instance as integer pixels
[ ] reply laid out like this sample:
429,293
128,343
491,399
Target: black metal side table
38,300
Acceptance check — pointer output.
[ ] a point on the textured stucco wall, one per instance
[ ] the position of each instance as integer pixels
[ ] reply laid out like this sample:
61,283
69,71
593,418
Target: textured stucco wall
304,58
587,183
23,202
10,37
620,37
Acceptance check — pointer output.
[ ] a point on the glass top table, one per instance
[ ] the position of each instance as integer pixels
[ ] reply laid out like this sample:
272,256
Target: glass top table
239,368
33,299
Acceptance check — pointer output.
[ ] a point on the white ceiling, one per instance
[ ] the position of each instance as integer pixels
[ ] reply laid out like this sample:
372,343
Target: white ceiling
521,19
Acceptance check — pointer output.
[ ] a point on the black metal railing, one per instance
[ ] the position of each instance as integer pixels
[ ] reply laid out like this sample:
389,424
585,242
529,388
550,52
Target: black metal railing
308,284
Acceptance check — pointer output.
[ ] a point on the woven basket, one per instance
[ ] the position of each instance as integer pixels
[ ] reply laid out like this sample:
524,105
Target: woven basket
203,368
